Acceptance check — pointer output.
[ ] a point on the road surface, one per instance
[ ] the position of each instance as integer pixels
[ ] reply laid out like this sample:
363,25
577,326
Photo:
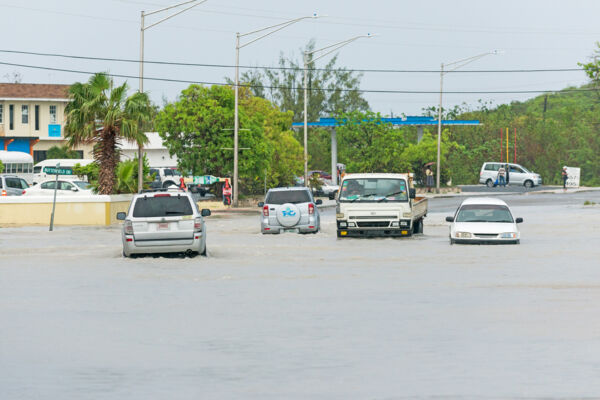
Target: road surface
306,317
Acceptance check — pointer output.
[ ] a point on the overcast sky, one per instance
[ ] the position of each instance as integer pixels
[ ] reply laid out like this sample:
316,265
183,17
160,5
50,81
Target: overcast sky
411,35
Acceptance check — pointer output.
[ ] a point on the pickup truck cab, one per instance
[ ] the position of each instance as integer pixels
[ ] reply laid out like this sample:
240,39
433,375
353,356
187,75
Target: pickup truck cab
379,205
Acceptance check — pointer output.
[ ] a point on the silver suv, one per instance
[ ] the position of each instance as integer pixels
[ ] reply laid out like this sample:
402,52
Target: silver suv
12,185
290,209
163,222
517,175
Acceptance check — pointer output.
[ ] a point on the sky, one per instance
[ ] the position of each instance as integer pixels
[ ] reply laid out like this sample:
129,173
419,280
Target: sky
410,35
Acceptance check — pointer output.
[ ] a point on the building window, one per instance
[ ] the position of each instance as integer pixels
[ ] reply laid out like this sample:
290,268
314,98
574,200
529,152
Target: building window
11,117
37,118
1,112
52,114
24,114
39,155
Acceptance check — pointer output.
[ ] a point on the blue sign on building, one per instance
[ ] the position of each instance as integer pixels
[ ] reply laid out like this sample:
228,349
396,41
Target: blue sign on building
54,130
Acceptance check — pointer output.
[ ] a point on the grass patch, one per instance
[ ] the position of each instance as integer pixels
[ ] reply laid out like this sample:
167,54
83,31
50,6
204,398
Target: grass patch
589,203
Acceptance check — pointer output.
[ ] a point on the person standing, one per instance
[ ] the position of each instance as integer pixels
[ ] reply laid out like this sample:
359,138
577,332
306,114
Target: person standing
501,174
429,178
564,175
507,174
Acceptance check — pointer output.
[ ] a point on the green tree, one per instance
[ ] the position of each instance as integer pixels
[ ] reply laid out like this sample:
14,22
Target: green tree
198,129
366,144
61,152
1,167
102,114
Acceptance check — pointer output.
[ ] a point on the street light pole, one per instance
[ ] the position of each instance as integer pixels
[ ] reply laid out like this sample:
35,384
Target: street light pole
272,29
331,48
141,85
458,64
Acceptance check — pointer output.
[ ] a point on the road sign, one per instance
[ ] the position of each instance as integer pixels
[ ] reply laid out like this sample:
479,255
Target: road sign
58,171
205,180
573,175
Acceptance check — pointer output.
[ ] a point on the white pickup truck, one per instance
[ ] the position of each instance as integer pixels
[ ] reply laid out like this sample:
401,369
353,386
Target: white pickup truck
379,205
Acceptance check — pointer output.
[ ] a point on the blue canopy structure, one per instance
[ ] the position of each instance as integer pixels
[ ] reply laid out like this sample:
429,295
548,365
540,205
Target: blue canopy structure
417,121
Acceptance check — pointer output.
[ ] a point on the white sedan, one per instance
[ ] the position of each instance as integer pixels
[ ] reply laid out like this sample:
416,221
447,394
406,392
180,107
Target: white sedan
484,220
65,187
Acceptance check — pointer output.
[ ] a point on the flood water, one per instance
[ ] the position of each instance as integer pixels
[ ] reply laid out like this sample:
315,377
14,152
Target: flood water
307,317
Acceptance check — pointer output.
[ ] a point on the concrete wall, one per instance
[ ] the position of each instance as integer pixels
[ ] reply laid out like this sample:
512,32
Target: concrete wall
80,210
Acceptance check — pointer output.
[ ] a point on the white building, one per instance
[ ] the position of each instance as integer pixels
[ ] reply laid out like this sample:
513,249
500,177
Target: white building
156,153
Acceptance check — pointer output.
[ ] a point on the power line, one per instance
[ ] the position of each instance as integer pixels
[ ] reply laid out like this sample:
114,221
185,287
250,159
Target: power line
128,60
301,88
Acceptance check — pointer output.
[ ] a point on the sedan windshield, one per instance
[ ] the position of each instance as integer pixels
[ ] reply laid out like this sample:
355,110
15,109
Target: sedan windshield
484,213
82,184
374,190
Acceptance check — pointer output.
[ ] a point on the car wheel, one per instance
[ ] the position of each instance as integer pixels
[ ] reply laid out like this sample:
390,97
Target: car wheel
418,226
528,184
489,183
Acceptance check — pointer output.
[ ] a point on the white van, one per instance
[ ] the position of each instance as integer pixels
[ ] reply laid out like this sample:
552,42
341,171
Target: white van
518,175
66,164
18,163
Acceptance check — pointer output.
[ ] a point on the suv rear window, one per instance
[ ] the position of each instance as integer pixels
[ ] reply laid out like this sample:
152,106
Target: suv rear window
288,196
148,207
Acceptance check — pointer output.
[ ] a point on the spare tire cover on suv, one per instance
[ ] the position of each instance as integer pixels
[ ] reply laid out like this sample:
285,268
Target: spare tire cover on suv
288,214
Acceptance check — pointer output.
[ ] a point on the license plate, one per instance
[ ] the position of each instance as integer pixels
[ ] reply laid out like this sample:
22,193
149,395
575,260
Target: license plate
163,226
290,230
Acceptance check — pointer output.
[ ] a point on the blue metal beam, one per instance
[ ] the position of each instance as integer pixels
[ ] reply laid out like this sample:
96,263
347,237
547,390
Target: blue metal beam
408,121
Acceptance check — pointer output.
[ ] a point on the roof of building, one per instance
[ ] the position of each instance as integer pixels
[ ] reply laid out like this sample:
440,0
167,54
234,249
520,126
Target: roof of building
154,143
33,91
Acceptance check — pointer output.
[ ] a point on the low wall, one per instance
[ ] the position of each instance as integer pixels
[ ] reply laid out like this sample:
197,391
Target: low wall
72,210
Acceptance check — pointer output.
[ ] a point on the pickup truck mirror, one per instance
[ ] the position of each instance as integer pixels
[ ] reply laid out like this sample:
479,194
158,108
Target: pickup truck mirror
205,212
261,204
449,219
412,193
332,195
519,220
318,201
121,216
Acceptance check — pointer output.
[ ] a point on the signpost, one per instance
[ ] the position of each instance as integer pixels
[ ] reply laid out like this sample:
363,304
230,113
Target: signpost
205,180
573,175
54,171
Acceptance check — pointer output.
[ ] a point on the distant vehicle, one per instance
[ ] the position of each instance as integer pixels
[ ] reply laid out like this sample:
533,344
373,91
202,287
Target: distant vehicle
322,174
484,220
518,175
327,189
166,175
12,185
18,163
379,205
66,165
290,209
166,221
64,188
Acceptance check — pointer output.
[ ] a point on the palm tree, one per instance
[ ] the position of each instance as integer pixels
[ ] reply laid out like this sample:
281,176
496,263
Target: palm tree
103,115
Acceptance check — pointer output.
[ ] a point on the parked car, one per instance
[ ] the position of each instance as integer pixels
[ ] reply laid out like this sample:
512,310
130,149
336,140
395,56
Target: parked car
12,185
65,188
518,175
290,209
166,221
327,189
484,220
322,174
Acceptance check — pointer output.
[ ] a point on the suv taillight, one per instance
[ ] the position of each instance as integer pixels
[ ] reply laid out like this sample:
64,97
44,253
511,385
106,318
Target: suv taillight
266,210
23,192
128,226
311,208
197,224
